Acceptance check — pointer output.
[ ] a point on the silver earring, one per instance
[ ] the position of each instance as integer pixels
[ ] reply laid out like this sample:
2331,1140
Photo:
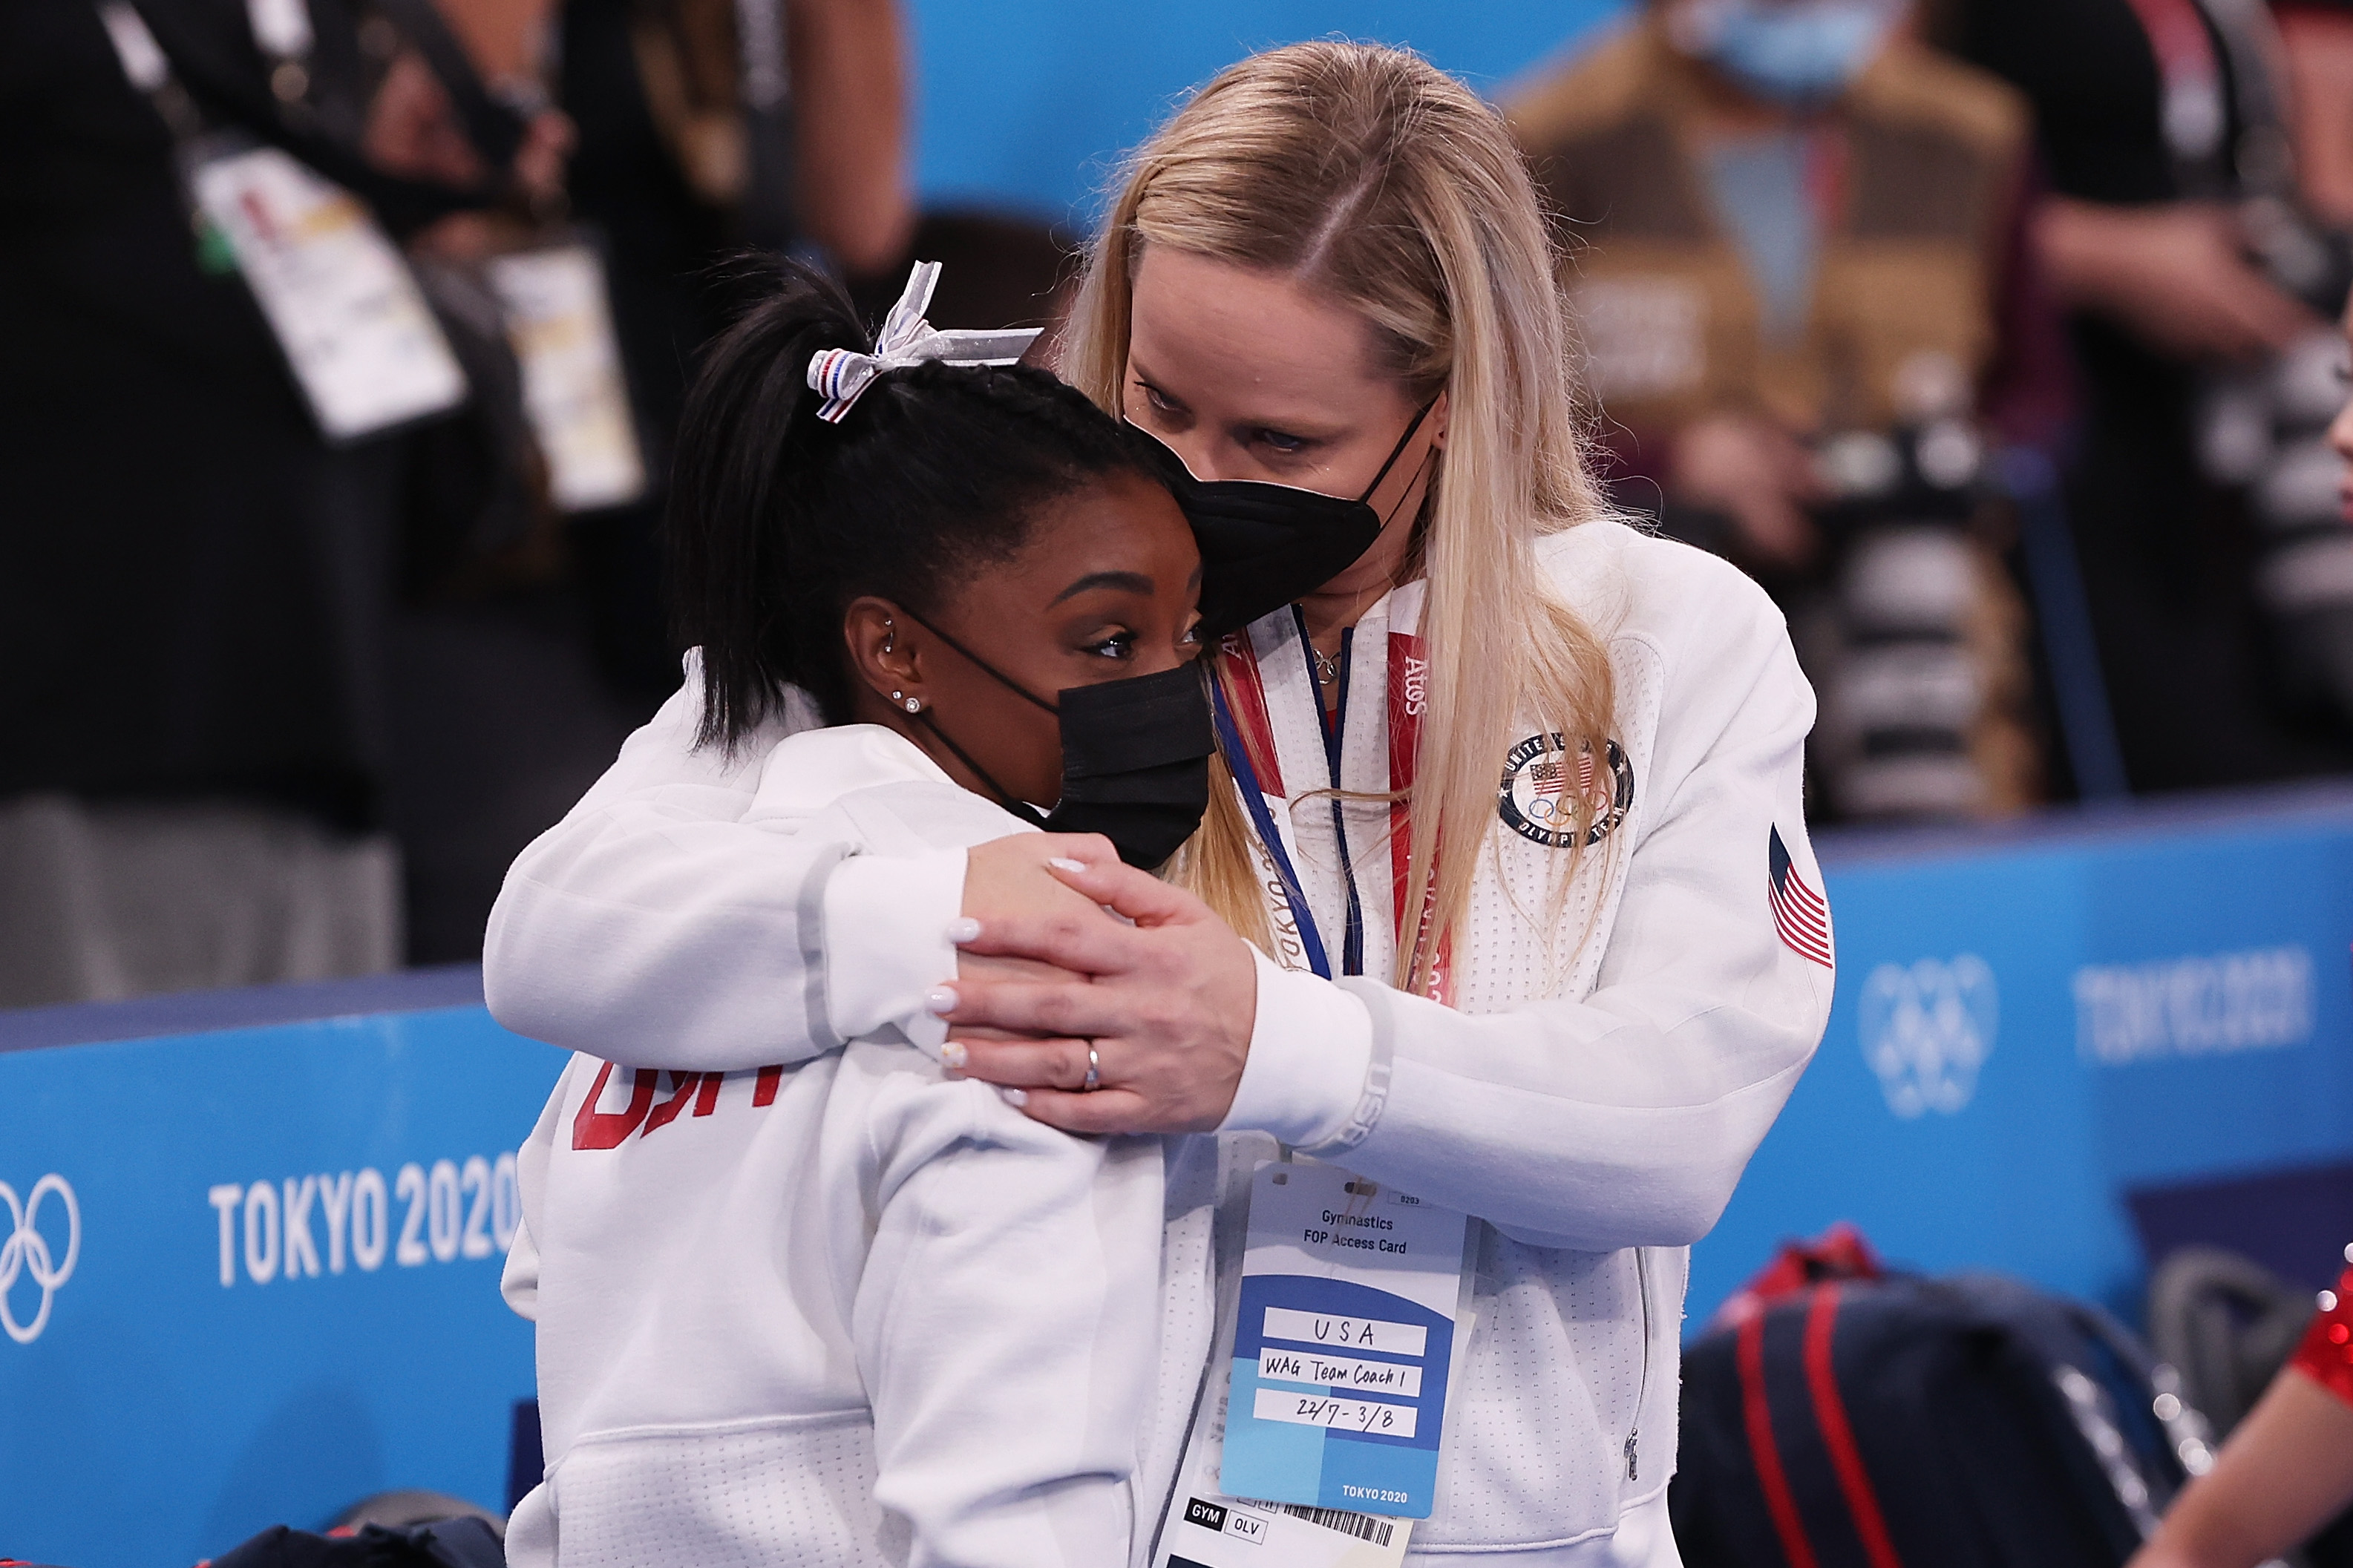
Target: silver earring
896,696
914,705
890,639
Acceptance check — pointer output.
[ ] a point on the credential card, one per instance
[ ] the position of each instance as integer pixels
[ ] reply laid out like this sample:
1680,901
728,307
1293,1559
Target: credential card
573,391
363,346
1214,1531
1343,1344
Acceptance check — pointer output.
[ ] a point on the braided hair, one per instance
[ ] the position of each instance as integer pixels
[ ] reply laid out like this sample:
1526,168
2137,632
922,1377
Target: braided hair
778,520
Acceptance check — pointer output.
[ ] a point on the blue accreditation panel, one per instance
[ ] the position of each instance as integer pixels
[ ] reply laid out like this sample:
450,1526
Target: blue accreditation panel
2028,1029
251,1273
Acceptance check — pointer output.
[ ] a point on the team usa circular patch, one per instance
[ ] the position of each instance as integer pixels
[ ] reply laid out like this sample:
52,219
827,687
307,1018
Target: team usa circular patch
1543,781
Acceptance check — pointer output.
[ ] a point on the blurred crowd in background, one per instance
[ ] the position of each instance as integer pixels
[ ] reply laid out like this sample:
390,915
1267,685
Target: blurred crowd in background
343,340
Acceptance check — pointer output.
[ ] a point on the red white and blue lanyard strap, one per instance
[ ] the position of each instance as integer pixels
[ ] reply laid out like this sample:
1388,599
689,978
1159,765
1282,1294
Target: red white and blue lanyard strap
1239,667
1352,939
1238,758
1409,693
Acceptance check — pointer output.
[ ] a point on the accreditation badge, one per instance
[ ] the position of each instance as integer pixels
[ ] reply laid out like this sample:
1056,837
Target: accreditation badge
355,328
1349,1324
560,324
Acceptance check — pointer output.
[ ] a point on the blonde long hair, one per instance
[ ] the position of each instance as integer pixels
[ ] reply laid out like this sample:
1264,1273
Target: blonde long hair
1370,175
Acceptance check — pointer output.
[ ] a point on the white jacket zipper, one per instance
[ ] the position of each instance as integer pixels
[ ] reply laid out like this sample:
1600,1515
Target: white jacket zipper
1641,1388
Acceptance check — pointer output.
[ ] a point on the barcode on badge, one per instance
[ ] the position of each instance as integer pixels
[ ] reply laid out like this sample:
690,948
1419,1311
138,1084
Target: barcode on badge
1363,1526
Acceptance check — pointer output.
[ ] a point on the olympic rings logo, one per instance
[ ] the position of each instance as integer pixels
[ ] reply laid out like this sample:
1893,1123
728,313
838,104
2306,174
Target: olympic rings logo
26,1251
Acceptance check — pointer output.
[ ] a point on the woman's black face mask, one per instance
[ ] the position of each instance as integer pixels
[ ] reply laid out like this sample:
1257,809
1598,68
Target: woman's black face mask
1135,757
1265,545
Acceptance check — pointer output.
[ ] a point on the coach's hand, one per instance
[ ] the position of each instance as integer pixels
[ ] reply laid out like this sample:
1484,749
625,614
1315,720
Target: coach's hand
1168,1002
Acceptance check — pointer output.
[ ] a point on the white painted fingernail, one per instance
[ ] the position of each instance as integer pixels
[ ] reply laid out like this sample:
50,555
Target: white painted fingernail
954,1055
964,929
1016,1097
940,999
1064,863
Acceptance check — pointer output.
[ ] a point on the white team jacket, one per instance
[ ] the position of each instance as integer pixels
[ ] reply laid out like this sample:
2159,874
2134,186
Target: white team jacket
841,1312
1592,1102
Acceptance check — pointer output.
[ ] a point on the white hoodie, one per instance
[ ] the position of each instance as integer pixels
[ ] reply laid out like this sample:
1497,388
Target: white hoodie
840,1311
1593,1101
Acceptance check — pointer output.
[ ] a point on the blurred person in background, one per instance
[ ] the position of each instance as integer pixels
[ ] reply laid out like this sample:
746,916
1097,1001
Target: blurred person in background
320,691
2194,228
1796,252
194,581
2317,44
711,126
2287,1469
701,129
705,127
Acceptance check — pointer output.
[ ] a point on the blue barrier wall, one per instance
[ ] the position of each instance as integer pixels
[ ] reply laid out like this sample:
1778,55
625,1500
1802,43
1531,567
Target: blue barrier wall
2026,1029
280,1249
1030,105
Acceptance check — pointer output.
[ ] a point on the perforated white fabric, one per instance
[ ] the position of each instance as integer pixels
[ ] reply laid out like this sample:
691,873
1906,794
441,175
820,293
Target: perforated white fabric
757,1493
1517,949
1187,1317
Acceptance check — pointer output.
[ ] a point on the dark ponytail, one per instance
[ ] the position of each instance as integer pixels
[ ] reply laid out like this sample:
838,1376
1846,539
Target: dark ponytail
778,520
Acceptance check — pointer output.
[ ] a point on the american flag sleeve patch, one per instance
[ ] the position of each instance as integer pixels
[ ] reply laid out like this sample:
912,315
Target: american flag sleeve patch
1800,914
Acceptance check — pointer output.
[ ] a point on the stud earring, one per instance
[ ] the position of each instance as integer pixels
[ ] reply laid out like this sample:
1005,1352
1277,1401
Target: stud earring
898,696
914,705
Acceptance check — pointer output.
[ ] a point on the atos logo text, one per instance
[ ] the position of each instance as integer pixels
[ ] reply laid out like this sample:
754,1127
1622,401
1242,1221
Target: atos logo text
1416,685
1928,1029
44,1259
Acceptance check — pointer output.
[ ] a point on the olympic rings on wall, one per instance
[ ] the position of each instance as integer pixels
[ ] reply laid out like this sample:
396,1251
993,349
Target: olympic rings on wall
26,1251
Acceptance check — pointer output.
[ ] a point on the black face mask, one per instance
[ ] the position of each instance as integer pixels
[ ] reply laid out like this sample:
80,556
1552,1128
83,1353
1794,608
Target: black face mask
1135,757
1264,545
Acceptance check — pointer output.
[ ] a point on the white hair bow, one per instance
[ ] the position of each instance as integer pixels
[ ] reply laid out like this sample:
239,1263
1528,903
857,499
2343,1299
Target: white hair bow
843,374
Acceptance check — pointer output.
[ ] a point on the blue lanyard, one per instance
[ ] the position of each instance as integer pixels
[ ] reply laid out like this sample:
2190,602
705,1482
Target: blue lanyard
1351,940
1310,939
1229,740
